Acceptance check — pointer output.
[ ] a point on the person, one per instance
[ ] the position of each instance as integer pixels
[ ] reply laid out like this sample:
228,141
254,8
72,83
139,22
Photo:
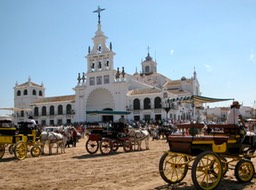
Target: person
74,136
122,120
33,124
234,114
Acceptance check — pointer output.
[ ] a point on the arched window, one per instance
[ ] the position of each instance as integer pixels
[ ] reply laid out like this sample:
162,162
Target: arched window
51,110
43,110
34,92
25,92
40,93
22,113
147,69
36,112
60,109
18,93
68,109
136,104
157,102
147,103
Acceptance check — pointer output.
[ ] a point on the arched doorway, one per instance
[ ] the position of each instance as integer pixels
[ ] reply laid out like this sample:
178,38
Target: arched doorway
107,118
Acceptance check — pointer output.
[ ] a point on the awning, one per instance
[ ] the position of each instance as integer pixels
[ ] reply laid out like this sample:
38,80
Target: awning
107,112
16,109
197,99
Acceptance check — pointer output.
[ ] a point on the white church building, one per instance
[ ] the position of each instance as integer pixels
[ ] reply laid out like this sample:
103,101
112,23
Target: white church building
104,92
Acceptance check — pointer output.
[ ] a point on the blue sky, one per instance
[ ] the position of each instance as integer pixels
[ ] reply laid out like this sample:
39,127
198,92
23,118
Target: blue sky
48,39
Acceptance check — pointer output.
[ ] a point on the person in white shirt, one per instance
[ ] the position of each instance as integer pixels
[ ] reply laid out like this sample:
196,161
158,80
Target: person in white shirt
31,120
234,114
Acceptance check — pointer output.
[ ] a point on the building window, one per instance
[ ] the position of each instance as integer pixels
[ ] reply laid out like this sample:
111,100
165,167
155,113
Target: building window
59,122
40,93
18,93
99,80
25,92
147,69
157,102
43,122
60,110
147,103
51,122
68,109
43,110
106,79
136,104
92,81
51,110
34,92
36,112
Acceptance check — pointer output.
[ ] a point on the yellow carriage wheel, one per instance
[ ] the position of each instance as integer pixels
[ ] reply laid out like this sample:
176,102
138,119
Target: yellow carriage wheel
20,150
173,167
244,171
2,150
207,171
92,146
35,151
11,147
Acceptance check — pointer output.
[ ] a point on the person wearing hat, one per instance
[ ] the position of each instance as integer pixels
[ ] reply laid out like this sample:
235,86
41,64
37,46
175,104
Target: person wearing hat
234,114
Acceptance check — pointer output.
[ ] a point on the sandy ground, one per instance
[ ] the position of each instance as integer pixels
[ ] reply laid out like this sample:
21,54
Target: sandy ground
76,169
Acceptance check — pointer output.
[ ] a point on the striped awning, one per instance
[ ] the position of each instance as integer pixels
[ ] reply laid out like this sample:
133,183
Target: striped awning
197,99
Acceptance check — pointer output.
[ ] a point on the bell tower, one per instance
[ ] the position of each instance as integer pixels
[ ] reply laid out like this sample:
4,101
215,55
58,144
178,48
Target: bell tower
100,57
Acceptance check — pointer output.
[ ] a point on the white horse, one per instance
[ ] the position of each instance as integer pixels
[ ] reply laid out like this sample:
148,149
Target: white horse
52,138
138,136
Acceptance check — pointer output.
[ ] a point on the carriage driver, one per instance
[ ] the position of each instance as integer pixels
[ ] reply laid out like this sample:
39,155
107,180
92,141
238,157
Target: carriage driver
33,124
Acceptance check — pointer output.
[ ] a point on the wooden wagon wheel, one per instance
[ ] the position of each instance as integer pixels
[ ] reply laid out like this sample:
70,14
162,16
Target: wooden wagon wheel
244,171
105,146
11,147
20,150
2,150
127,145
35,151
173,167
92,146
115,145
207,171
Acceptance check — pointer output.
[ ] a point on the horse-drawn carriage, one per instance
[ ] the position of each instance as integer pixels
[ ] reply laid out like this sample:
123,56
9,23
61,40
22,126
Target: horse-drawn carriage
19,139
108,138
209,154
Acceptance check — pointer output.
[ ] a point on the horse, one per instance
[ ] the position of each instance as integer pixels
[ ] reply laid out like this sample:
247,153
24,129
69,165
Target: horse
51,138
139,135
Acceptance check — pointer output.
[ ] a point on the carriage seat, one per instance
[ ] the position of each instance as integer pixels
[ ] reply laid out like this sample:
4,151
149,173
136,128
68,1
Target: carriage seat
199,139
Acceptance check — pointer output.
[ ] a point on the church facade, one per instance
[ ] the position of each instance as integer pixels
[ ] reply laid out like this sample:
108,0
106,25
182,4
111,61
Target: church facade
104,92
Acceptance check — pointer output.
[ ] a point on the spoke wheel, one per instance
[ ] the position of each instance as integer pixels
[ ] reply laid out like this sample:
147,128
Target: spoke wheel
35,151
105,146
92,146
127,145
244,171
173,167
20,150
2,150
11,147
115,145
207,171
